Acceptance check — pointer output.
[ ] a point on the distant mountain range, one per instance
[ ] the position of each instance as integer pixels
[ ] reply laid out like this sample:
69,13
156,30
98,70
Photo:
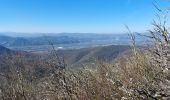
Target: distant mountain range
39,42
24,41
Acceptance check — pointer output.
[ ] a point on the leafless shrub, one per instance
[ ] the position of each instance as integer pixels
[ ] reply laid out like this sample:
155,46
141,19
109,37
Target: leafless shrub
141,75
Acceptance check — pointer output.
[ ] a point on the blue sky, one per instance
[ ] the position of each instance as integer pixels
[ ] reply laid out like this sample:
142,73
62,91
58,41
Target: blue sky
83,16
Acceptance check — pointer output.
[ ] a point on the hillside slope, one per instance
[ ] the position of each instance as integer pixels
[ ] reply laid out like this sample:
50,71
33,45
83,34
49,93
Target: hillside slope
89,55
4,50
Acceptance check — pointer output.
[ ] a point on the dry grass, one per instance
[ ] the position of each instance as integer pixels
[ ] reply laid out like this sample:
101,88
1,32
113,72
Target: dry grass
141,75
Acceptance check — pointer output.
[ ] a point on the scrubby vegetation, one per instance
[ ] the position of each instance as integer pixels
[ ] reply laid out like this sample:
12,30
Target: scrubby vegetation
140,75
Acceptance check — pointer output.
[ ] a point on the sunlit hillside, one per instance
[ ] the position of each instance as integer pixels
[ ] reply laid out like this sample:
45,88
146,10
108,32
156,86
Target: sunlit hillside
40,62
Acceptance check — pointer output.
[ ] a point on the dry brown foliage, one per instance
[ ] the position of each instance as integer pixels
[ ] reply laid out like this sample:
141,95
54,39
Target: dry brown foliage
141,75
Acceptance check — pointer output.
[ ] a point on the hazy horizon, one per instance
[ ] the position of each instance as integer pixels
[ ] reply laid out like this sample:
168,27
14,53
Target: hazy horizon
27,34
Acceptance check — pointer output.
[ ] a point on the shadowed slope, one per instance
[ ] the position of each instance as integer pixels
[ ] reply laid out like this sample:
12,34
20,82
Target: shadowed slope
89,55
